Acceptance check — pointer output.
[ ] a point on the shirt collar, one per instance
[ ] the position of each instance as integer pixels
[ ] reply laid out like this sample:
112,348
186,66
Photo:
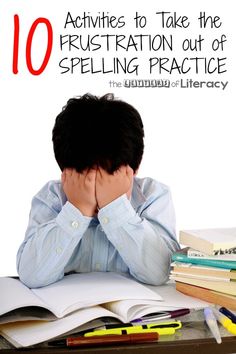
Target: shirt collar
137,196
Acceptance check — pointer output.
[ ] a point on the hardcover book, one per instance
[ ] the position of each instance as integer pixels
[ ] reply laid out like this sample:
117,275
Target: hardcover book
226,287
208,295
188,269
210,241
181,256
220,257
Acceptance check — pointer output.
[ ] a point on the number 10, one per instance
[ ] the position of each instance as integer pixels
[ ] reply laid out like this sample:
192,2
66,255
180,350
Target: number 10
29,45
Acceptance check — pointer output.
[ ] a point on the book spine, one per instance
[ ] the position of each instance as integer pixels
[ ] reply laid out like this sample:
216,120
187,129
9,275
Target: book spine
207,262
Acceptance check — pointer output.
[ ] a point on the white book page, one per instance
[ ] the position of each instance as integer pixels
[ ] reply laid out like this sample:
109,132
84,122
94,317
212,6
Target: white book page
172,300
77,291
27,314
129,310
175,299
148,309
226,237
23,334
15,294
195,276
198,266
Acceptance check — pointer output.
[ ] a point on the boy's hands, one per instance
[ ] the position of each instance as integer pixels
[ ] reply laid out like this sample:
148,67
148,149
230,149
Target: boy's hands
80,189
94,189
110,187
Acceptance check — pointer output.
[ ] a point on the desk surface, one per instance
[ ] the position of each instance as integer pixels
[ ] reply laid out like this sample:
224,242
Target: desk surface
193,338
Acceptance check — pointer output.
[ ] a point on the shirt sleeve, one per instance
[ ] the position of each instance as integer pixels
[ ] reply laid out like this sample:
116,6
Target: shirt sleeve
146,239
53,233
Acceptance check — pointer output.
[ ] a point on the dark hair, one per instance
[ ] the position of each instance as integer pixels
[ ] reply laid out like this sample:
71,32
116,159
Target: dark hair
92,131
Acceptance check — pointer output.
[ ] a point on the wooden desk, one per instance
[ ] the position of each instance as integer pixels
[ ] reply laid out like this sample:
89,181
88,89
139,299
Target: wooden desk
193,338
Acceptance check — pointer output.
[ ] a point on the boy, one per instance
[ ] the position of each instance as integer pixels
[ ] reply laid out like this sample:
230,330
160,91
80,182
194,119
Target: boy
99,217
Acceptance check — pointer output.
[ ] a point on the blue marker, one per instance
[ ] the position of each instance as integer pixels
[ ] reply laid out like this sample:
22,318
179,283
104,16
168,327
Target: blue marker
228,313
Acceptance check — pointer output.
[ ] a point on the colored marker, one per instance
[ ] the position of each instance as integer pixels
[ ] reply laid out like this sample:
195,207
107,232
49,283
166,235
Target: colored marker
161,328
225,321
212,324
133,330
228,313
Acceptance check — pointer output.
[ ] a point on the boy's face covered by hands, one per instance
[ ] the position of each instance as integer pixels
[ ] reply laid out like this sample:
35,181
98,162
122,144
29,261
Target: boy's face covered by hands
95,188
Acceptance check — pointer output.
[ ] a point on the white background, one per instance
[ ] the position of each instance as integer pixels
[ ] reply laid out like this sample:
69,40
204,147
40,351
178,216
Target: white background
190,133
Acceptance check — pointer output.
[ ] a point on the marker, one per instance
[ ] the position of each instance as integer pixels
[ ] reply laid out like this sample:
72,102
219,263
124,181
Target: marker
212,324
105,340
225,321
124,326
170,314
130,330
228,313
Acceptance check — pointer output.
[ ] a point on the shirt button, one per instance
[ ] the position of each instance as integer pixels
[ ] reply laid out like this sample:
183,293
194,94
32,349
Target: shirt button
59,250
105,220
75,224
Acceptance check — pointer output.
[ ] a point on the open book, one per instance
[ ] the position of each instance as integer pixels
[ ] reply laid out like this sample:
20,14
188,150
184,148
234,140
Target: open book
77,298
73,292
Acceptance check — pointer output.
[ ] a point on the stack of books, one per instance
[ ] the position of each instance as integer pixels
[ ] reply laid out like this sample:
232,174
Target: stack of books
206,268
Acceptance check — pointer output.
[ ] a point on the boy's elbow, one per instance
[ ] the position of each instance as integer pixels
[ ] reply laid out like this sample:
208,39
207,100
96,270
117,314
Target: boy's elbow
29,282
32,279
153,278
33,282
158,279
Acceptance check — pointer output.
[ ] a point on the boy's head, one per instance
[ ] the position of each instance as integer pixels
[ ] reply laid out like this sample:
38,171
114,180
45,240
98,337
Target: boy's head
92,131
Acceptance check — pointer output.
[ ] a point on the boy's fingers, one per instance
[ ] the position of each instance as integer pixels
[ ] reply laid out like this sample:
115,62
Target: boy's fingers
129,171
68,172
91,174
122,171
101,172
75,176
63,176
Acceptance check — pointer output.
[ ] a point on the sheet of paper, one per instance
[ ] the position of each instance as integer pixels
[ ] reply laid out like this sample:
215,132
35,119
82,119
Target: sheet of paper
23,334
77,291
129,310
14,295
174,299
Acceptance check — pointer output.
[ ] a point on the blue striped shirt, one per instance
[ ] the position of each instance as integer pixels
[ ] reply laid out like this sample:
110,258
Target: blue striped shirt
135,237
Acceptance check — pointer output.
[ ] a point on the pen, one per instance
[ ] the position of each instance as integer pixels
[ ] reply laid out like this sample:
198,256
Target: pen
228,313
212,324
170,314
81,341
